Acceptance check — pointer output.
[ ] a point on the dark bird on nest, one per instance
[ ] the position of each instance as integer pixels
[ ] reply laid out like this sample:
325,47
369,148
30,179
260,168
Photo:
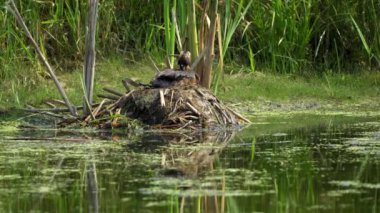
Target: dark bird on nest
184,60
169,77
181,77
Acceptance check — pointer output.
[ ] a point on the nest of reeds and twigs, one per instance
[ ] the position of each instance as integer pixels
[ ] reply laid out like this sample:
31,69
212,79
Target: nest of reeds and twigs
177,107
190,106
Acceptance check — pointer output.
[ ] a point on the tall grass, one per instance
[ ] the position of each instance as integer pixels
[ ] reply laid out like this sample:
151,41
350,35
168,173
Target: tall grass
284,36
169,30
227,30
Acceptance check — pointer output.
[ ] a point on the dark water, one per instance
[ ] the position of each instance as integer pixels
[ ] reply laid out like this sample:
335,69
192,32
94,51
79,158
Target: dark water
298,163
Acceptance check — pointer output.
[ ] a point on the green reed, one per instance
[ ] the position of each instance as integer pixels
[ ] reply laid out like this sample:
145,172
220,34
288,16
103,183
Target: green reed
169,29
283,36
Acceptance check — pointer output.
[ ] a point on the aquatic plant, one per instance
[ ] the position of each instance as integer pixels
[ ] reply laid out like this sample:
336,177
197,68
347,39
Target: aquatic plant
283,36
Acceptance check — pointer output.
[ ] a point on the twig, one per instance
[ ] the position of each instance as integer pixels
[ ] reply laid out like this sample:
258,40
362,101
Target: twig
108,96
96,111
171,99
133,83
184,126
87,107
13,9
49,113
55,101
54,115
36,110
198,59
216,115
154,65
125,84
47,110
226,115
113,91
50,104
219,111
192,108
238,115
200,92
191,117
175,108
162,98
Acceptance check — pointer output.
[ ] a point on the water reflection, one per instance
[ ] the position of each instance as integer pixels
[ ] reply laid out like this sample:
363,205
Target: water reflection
92,188
294,164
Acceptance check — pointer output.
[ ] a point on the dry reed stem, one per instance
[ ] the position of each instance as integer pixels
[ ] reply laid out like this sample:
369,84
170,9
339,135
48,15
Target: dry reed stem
90,54
162,98
179,42
13,9
109,96
192,108
58,102
155,68
113,91
50,104
238,115
171,99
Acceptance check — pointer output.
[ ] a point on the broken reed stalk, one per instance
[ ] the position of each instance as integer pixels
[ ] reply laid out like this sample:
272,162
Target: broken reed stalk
90,55
49,113
113,91
11,6
60,102
192,29
60,110
162,98
97,110
86,104
220,71
47,110
109,96
179,42
154,66
50,104
201,40
198,59
210,39
239,116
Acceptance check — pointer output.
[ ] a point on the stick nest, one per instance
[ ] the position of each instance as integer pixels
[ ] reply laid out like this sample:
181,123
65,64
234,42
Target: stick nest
175,107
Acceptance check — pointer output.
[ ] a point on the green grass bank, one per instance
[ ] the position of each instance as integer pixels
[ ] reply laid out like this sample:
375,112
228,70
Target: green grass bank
237,87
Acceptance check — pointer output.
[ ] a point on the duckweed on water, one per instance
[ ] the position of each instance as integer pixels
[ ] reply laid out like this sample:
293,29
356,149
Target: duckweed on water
9,177
303,162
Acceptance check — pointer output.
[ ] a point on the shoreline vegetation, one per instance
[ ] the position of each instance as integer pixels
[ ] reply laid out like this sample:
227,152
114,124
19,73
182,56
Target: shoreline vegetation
298,37
259,91
314,52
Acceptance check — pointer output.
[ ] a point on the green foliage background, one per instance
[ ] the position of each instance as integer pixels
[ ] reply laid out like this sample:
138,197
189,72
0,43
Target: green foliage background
306,36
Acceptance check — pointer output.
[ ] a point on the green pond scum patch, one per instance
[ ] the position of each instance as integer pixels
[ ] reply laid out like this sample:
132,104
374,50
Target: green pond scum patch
286,162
